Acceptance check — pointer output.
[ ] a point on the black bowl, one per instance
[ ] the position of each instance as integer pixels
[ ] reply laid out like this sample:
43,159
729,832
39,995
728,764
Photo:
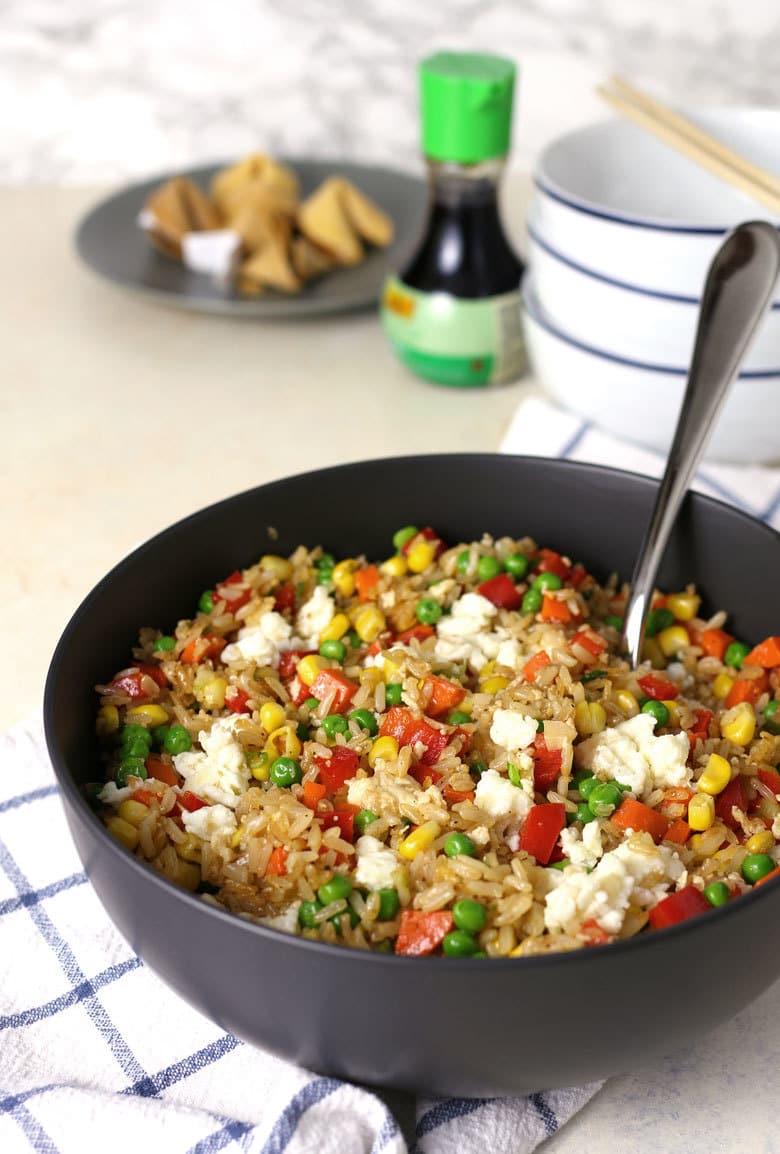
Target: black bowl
439,1026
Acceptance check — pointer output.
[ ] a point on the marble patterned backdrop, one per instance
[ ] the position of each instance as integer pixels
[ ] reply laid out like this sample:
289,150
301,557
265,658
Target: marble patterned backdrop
103,90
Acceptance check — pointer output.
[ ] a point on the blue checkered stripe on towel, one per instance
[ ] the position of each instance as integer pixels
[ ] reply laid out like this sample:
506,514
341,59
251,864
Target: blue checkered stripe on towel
94,1049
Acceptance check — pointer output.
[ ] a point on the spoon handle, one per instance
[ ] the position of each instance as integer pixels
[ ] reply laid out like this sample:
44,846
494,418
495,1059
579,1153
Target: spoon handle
737,292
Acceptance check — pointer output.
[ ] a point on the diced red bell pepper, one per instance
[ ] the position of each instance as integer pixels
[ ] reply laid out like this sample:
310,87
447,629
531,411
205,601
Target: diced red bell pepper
746,689
156,674
678,907
577,575
129,684
344,818
277,862
548,561
284,597
313,793
770,779
632,814
145,796
766,654
161,770
424,775
733,795
424,534
700,730
407,729
298,691
337,769
659,688
233,591
678,832
197,650
542,829
501,591
236,699
537,662
288,661
190,801
714,642
445,695
590,641
416,633
593,934
454,796
547,764
553,609
329,681
366,581
422,931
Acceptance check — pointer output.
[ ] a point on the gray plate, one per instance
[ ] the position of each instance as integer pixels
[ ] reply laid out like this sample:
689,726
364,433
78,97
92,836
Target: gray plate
110,242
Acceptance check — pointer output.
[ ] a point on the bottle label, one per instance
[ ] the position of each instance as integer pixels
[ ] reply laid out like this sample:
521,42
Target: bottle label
454,341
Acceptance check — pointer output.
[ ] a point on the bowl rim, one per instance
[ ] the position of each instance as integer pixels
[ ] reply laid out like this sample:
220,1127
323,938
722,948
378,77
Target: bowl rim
74,798
535,312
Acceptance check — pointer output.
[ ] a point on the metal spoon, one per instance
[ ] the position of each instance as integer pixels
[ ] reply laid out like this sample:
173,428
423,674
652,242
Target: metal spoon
737,293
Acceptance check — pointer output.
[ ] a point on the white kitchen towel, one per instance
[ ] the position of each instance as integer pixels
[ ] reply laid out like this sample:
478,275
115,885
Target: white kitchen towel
541,429
96,1053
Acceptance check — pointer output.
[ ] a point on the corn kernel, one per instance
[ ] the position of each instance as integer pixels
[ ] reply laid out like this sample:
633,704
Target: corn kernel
716,776
279,566
335,629
189,849
271,716
310,667
235,837
685,606
722,684
589,718
738,725
211,694
420,556
151,714
123,831
133,812
188,875
652,652
673,710
762,842
283,742
494,685
371,676
259,763
391,671
107,721
385,748
673,639
394,566
369,623
625,699
487,670
419,839
344,577
701,811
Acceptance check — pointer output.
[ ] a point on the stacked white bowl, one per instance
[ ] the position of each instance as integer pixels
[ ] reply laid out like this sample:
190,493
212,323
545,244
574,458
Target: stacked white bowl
621,231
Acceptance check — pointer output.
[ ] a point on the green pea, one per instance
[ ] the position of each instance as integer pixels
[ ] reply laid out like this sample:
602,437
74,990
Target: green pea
337,888
516,564
717,893
177,740
488,568
132,732
770,711
334,723
402,536
164,644
658,619
585,784
479,954
559,865
365,719
311,703
477,768
459,843
593,675
458,717
614,621
532,601
206,602
306,912
364,819
459,944
469,915
584,813
394,693
604,799
130,767
548,581
353,639
159,733
757,866
513,773
735,654
285,771
388,904
333,650
463,560
540,726
324,576
428,611
658,710
354,918
136,747
302,731
326,561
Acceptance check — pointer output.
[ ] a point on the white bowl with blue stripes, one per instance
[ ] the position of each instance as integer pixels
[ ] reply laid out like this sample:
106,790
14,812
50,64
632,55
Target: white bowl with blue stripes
640,401
626,320
616,201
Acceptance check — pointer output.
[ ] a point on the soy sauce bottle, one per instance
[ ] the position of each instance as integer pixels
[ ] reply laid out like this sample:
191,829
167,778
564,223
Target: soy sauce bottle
453,314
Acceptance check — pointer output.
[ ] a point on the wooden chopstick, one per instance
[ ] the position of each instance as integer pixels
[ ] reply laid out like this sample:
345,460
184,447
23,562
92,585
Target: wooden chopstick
693,142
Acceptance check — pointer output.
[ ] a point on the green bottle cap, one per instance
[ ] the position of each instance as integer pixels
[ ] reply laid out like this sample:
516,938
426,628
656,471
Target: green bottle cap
466,106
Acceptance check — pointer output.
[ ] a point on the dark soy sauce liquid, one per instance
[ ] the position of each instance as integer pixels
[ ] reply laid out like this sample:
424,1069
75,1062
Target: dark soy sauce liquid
465,252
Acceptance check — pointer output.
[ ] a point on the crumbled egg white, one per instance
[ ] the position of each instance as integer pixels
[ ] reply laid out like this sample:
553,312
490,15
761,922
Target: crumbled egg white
635,871
376,864
464,635
497,796
111,794
631,754
512,730
218,773
582,851
209,820
776,828
262,642
287,920
315,615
